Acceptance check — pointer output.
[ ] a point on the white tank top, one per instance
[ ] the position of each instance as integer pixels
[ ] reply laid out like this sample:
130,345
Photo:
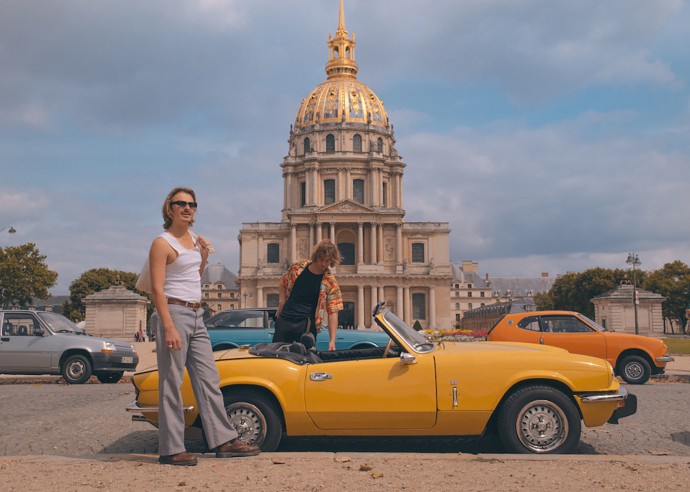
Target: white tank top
182,279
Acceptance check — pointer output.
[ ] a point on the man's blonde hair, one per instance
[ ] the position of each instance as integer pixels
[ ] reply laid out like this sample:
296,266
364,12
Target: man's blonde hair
167,209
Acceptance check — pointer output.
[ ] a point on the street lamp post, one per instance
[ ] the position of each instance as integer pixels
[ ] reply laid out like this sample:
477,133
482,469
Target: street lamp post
634,261
245,295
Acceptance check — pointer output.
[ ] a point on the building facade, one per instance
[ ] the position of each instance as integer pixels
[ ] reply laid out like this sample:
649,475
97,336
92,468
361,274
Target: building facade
616,311
343,181
219,290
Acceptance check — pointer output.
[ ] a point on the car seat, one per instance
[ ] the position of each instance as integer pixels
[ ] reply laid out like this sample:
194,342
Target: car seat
23,331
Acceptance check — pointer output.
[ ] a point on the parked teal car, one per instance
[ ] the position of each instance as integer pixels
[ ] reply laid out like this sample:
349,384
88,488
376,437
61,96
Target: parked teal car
236,327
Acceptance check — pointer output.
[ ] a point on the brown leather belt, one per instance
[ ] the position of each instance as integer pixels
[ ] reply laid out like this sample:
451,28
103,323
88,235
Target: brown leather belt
190,305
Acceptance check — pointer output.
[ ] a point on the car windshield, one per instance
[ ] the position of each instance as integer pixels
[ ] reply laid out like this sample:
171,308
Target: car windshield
59,324
415,339
592,322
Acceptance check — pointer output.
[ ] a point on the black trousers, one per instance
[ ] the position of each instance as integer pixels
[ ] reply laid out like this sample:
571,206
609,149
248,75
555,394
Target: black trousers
289,330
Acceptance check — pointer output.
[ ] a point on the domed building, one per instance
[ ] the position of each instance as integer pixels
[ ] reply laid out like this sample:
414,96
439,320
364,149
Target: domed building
343,181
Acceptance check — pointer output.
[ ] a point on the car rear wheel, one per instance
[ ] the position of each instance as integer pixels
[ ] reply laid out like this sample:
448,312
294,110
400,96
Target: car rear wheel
635,370
255,418
539,419
109,377
76,369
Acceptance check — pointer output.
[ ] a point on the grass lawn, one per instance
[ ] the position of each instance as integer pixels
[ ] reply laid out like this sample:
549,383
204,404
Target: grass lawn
678,346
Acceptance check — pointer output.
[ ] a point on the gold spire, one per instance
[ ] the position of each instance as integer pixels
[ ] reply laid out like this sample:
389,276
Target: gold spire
341,51
342,31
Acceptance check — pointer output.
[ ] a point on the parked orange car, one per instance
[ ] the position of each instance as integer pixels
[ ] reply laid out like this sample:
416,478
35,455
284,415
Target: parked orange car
634,357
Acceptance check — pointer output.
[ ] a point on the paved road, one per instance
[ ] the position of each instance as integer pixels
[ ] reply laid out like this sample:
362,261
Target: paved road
57,419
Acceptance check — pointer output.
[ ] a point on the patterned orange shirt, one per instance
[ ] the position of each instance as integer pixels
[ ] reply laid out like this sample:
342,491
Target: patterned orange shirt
330,297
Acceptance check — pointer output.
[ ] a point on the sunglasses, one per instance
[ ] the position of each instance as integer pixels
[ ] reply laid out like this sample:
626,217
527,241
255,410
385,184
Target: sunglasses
183,204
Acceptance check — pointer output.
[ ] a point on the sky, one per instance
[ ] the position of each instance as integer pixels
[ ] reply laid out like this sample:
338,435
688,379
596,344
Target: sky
553,136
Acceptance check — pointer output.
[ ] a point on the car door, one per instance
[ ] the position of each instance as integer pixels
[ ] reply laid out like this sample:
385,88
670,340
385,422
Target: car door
21,350
573,334
372,394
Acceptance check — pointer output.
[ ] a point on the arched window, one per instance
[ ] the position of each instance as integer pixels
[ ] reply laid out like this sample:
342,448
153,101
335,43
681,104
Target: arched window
417,252
273,253
347,253
358,190
330,143
357,143
328,191
307,145
379,145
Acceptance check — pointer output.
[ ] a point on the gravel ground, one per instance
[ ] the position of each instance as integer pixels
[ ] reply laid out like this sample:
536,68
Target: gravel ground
350,472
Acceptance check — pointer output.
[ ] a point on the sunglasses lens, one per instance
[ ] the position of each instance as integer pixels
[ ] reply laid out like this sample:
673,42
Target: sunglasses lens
183,204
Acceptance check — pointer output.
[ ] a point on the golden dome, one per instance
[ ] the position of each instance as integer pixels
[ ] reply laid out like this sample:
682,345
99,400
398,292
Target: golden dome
342,98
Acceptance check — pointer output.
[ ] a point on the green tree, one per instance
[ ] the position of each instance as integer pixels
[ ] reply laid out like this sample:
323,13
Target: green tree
91,281
574,291
543,301
24,276
673,282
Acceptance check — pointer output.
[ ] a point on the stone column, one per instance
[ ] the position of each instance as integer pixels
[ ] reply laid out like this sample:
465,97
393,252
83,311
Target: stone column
406,307
398,244
260,296
432,307
287,190
399,303
380,244
374,298
319,232
360,307
360,243
311,238
293,243
373,246
332,234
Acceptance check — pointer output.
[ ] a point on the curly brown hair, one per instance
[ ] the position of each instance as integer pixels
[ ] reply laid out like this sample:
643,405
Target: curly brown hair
326,249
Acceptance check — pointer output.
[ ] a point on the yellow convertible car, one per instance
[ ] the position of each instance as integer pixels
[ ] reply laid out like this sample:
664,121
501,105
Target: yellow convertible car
535,397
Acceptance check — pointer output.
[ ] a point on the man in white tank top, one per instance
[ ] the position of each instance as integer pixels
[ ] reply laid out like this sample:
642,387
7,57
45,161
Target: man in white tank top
177,260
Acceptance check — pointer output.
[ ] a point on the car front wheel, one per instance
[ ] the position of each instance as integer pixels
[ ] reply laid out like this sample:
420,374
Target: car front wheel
539,419
635,370
255,418
76,369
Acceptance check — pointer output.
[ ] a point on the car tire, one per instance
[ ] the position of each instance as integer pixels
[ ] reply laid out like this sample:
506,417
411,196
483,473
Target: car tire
539,419
76,369
109,377
255,418
634,369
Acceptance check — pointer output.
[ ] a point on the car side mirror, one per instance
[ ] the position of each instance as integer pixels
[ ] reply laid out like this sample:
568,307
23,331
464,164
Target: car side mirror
407,359
38,332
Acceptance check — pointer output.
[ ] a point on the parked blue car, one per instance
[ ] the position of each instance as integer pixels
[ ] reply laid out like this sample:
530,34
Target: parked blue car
236,327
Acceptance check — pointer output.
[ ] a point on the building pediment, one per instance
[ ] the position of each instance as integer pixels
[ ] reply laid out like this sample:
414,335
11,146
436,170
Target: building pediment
346,206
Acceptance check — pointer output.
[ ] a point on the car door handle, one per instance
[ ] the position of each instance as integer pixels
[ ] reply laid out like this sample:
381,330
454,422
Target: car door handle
541,340
320,376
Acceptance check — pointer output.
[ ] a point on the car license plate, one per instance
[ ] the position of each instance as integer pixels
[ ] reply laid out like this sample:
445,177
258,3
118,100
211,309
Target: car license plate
127,360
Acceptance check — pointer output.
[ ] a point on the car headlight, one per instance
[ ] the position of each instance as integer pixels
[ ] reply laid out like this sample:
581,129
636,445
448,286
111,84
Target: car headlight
109,348
612,376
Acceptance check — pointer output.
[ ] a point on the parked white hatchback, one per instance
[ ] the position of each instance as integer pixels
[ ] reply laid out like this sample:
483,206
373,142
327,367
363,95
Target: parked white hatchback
39,342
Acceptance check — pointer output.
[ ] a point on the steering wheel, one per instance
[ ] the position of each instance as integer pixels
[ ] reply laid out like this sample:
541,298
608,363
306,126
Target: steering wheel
388,347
